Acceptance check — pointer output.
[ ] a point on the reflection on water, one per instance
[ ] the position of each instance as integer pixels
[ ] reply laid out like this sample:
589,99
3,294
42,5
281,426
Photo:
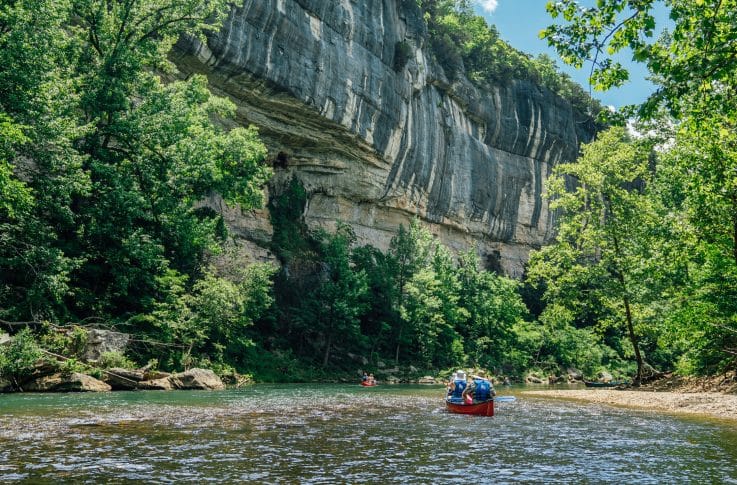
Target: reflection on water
332,433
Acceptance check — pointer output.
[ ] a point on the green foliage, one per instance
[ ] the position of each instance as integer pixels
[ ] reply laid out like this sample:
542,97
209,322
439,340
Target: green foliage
67,341
109,360
71,366
290,238
689,62
19,357
225,309
493,310
402,54
332,309
698,185
605,222
463,43
689,304
103,166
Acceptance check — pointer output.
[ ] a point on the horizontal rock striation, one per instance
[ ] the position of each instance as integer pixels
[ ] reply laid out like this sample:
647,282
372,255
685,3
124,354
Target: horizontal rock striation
376,140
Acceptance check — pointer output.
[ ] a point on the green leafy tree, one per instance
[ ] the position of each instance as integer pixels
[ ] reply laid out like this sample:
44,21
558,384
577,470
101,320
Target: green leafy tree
41,169
602,234
410,251
430,309
225,310
697,183
493,309
381,316
695,177
332,309
18,358
463,43
691,62
113,161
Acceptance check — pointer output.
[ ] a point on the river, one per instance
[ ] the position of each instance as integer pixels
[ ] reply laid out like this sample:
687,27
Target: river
348,434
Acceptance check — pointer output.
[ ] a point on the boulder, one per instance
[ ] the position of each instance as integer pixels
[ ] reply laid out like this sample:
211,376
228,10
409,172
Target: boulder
392,380
102,341
4,338
574,374
153,375
155,385
41,368
426,380
74,382
204,379
533,379
604,376
359,358
123,379
5,385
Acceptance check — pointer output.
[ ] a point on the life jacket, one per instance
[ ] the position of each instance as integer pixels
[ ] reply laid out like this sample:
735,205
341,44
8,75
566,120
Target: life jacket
482,391
460,385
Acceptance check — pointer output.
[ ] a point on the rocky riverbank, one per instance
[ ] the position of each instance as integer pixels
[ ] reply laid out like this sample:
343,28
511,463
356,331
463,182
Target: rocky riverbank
714,397
116,380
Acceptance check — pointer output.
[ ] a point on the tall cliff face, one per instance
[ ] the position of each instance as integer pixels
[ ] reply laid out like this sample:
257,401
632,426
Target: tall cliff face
375,142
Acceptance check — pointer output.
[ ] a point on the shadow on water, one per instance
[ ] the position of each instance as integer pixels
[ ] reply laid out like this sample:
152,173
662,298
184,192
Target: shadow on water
341,433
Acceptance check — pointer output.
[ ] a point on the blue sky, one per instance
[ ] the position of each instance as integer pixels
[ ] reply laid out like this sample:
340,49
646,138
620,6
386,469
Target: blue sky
519,22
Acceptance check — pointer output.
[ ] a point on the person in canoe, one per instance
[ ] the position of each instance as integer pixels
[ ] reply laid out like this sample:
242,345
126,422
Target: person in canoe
364,377
447,386
457,386
479,389
371,380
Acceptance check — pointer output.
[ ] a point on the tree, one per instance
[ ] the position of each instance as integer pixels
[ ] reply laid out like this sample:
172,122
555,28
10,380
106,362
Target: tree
493,310
694,62
697,182
41,168
695,176
115,159
381,317
431,312
410,251
602,233
334,306
18,359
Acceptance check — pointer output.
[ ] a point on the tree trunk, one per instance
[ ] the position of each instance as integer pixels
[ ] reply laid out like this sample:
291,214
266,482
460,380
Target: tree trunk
399,343
326,357
734,227
633,337
628,316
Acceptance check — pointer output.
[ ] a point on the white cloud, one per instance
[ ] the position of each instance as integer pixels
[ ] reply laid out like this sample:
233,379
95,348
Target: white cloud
489,5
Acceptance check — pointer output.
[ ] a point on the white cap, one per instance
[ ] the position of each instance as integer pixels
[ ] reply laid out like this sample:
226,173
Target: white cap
460,375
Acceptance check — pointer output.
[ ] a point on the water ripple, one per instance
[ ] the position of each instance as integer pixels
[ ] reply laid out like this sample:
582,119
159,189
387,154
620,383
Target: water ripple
329,434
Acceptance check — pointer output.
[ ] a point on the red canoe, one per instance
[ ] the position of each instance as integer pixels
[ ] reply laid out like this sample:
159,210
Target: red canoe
367,384
485,408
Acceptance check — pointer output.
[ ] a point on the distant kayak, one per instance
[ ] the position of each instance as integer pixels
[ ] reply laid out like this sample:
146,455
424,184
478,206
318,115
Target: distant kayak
485,408
368,384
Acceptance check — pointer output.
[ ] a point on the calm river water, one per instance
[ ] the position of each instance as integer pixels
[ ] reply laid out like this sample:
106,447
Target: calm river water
348,434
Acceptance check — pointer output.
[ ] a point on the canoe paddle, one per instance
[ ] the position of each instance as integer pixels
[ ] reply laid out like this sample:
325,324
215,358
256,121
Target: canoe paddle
505,399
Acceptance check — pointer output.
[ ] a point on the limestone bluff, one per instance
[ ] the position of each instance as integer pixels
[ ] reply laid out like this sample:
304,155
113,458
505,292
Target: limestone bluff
374,143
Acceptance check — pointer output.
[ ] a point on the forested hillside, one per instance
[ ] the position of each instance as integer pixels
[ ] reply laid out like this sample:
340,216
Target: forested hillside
105,162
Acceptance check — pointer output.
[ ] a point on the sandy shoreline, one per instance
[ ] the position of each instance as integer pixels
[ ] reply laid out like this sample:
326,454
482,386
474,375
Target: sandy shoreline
712,404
